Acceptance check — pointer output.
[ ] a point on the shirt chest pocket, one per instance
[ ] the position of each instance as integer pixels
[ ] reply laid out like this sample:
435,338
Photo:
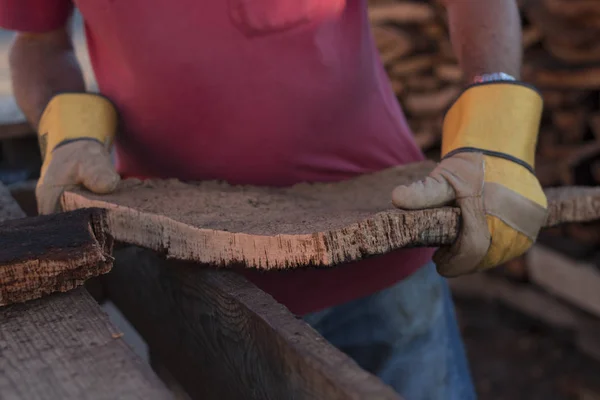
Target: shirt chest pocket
255,17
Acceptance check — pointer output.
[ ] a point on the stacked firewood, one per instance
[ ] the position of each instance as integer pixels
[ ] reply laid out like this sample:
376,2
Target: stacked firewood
561,58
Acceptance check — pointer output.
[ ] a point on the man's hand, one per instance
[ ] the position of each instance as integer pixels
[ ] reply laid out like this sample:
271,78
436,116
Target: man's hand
488,148
75,128
75,132
82,162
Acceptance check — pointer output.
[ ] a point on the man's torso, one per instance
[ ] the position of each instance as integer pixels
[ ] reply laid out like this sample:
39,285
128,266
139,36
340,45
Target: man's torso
267,92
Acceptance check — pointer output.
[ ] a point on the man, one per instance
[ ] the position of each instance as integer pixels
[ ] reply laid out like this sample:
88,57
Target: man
275,92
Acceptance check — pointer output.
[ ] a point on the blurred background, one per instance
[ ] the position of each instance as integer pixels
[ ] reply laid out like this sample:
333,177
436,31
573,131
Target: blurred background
532,326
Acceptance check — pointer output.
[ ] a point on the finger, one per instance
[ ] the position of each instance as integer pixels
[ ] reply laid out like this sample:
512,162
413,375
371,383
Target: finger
48,197
428,193
97,173
472,244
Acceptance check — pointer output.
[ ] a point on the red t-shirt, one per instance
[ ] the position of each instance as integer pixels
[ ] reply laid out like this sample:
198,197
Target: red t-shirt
265,92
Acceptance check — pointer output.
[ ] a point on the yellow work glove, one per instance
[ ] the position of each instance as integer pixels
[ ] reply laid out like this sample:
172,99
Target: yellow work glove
75,133
488,148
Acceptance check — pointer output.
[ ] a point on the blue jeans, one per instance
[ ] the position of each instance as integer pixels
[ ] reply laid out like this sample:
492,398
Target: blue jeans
407,335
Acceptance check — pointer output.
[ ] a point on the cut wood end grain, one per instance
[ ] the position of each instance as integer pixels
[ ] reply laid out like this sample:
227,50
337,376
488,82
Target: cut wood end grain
321,224
52,253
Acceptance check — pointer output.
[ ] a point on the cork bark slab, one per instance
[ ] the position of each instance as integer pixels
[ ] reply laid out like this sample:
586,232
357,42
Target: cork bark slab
321,224
63,346
55,253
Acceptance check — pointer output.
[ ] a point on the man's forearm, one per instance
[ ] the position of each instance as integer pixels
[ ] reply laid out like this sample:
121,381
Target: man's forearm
42,65
486,36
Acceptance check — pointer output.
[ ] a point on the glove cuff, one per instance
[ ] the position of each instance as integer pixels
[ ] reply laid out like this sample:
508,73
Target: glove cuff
499,118
74,116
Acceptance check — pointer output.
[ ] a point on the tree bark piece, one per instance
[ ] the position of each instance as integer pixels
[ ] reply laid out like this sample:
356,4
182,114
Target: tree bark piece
63,347
223,338
322,224
401,12
46,254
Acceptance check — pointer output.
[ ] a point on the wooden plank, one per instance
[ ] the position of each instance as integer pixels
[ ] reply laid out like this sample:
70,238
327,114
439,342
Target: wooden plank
536,304
64,347
223,338
401,12
9,209
52,253
24,194
575,281
320,224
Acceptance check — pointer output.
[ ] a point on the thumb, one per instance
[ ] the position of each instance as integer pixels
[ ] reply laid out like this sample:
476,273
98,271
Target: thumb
48,196
97,173
428,193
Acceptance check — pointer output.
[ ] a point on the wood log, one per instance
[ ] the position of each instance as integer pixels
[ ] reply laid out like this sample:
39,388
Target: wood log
52,253
434,30
582,78
423,84
398,87
431,104
559,99
574,55
222,338
401,12
572,124
532,35
413,65
571,8
392,44
321,224
450,73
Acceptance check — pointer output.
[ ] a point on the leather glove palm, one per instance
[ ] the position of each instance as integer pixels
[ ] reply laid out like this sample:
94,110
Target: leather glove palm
488,149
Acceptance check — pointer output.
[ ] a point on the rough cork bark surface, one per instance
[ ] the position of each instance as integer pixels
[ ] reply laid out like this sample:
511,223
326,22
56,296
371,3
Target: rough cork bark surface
63,347
321,224
53,253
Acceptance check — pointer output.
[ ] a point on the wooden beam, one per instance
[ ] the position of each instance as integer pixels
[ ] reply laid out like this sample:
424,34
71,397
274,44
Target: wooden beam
535,303
223,338
305,225
63,347
52,253
577,282
24,194
9,208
